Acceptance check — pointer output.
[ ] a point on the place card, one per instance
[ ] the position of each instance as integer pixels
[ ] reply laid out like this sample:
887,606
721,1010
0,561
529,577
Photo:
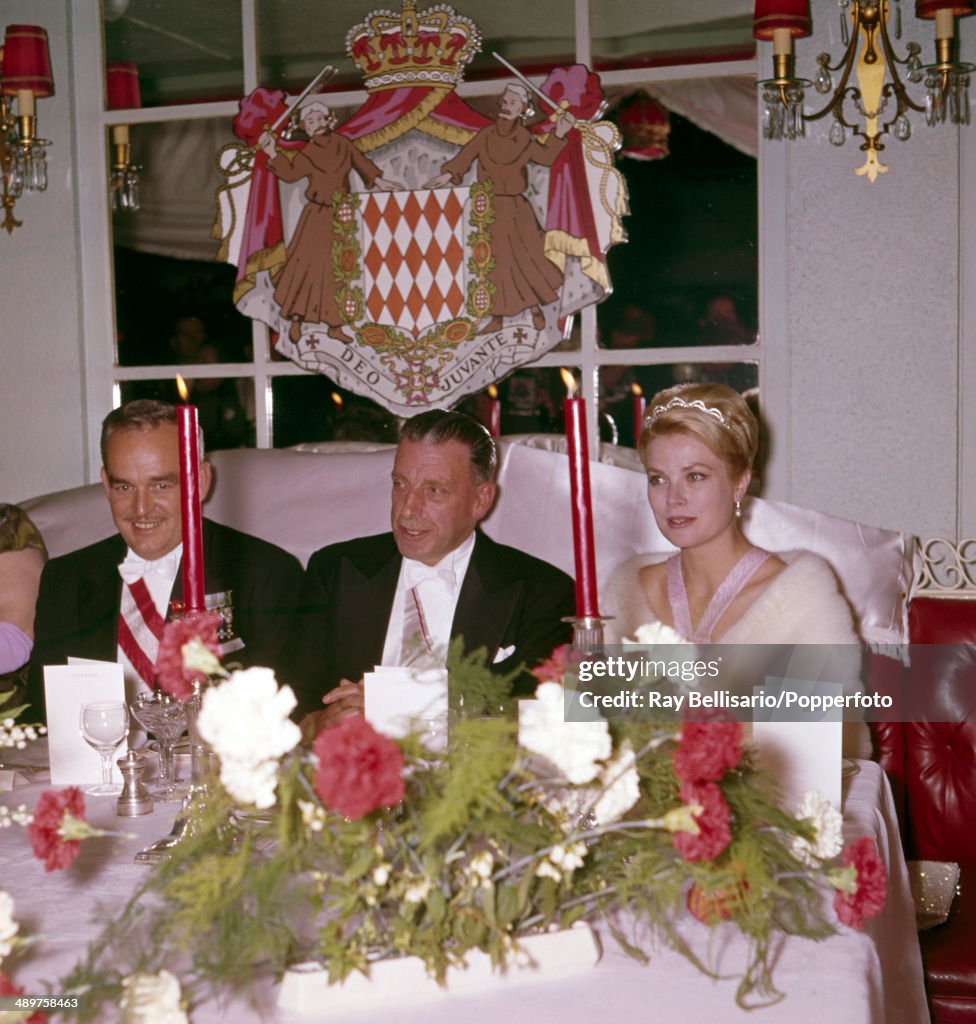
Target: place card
397,699
66,688
801,748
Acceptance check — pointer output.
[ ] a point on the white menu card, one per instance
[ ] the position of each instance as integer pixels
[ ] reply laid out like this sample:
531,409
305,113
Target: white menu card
66,688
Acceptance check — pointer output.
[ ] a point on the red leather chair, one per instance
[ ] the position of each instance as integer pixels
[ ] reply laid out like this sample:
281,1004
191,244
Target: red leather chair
931,761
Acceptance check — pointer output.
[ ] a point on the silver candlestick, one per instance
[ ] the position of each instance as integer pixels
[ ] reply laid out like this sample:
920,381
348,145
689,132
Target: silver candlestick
588,634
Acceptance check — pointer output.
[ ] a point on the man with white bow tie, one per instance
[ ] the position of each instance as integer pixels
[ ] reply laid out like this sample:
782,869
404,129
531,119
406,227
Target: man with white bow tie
400,597
109,601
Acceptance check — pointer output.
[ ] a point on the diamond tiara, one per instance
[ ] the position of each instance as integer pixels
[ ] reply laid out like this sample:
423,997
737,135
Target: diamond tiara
679,403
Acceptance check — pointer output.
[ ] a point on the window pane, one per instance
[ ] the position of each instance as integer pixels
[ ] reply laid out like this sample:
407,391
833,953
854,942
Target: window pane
177,311
194,56
531,403
311,408
688,274
225,405
618,420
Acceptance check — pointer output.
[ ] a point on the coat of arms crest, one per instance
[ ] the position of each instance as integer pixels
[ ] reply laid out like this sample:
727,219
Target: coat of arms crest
421,250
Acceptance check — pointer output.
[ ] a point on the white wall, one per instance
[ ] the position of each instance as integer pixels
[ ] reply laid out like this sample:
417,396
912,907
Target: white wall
42,443
871,428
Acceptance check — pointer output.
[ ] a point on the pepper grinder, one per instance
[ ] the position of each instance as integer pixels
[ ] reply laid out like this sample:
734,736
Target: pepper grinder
133,800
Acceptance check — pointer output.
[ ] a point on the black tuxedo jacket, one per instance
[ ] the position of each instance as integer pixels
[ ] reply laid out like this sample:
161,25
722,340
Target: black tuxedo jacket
80,593
507,599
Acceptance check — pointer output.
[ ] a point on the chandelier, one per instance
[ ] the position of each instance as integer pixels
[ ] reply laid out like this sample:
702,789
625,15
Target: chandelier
878,104
25,75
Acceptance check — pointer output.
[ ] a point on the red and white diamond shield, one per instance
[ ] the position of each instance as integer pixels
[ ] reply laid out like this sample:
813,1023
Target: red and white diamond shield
413,246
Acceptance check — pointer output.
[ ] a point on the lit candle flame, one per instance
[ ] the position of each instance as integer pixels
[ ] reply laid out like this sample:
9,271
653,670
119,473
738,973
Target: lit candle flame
635,389
181,387
337,398
569,380
492,391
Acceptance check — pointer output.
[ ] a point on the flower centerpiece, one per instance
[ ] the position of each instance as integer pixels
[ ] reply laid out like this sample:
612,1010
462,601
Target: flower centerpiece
360,848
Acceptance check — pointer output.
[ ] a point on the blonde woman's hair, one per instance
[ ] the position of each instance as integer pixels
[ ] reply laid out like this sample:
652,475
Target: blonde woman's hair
715,414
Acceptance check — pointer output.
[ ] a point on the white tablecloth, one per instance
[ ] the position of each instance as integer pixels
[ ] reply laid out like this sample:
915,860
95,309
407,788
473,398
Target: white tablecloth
870,977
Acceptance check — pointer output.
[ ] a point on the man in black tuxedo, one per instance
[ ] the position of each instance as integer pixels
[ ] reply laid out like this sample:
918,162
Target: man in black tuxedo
362,597
107,601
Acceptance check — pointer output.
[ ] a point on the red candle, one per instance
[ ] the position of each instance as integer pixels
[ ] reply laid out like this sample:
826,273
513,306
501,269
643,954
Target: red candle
574,416
190,504
494,412
639,403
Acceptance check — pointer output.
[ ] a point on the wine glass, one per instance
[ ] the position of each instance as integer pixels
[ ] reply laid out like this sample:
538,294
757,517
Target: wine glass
165,718
104,724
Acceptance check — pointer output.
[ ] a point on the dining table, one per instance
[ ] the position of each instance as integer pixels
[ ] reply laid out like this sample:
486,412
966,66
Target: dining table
873,976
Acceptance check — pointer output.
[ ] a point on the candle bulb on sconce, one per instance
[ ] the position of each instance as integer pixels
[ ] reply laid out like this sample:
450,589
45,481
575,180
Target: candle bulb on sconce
122,93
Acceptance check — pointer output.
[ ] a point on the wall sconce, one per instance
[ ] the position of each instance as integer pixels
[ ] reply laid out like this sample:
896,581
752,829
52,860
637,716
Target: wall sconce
122,93
880,99
25,75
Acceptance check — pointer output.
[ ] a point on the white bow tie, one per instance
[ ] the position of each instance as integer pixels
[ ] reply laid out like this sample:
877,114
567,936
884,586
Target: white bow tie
136,568
416,572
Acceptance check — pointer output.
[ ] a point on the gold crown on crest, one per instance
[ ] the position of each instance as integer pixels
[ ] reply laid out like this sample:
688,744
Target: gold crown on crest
431,47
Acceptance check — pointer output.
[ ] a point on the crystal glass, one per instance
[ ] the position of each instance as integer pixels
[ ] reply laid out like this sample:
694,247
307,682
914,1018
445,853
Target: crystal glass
165,718
104,725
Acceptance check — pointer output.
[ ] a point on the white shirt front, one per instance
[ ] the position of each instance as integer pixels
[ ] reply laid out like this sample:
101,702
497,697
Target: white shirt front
438,589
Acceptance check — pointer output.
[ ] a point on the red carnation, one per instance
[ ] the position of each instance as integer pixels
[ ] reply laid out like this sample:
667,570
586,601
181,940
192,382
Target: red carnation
359,768
868,897
553,668
713,822
46,838
8,988
176,680
706,750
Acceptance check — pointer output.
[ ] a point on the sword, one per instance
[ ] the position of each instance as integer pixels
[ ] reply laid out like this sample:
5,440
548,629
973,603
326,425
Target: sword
320,79
557,107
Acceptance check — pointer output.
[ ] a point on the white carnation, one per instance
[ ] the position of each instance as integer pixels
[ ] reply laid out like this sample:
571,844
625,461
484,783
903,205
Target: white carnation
245,720
575,748
621,787
8,926
250,782
828,825
152,999
652,633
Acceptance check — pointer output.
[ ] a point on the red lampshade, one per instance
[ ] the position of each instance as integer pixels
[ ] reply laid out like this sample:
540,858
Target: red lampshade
929,8
773,14
26,62
122,86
